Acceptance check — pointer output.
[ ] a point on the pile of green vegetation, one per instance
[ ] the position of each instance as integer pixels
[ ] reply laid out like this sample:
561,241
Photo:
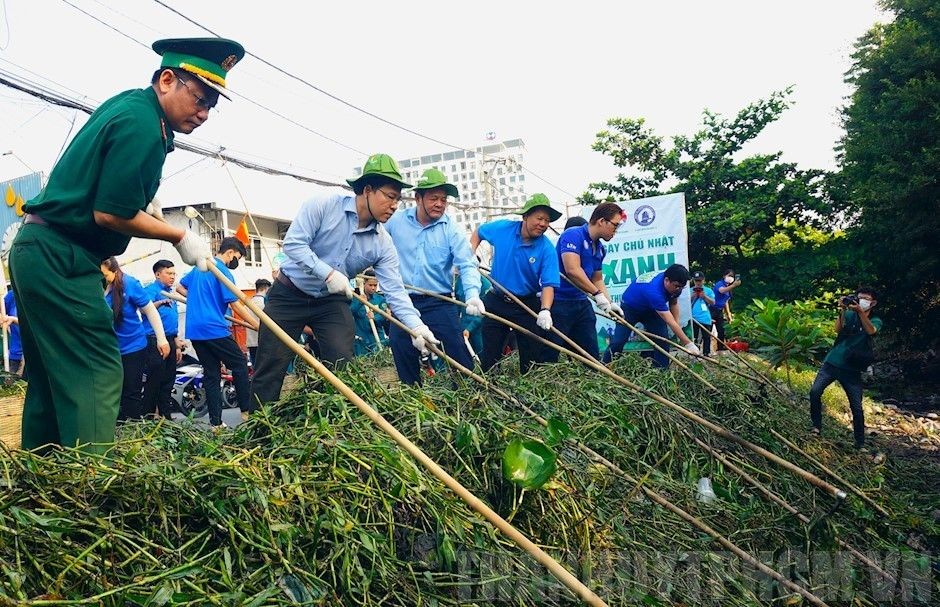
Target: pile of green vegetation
307,503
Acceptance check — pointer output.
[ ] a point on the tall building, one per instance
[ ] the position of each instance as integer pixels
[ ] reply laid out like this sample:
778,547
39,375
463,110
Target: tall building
490,179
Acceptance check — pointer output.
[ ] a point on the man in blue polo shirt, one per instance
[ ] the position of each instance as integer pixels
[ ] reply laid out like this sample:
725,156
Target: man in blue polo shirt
429,247
525,263
161,372
581,258
206,303
12,322
653,300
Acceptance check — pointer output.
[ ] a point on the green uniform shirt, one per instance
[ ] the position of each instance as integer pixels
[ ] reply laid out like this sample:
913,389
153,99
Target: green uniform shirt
113,165
857,335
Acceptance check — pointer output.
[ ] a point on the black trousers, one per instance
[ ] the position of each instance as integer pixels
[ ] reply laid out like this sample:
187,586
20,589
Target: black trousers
133,364
718,315
161,373
331,320
495,332
703,331
212,353
444,321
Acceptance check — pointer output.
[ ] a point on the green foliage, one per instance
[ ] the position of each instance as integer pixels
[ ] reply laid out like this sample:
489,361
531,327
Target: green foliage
528,463
733,203
787,334
890,156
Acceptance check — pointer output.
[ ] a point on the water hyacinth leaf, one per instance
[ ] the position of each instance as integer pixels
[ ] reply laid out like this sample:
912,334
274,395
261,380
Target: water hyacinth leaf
557,431
528,463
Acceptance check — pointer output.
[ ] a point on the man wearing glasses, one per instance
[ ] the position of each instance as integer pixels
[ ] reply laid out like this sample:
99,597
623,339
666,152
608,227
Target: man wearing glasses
581,259
333,238
653,300
98,196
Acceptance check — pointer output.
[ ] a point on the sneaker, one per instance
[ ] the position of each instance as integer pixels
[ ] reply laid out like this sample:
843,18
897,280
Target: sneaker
222,426
245,416
816,432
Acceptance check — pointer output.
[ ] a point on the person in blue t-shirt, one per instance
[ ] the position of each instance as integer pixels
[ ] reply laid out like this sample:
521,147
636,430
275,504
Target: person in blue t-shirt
702,298
653,300
723,294
524,263
207,300
125,296
161,370
581,259
12,323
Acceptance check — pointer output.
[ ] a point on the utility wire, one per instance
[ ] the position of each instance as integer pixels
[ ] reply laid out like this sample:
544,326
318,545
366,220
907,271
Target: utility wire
251,101
348,103
54,98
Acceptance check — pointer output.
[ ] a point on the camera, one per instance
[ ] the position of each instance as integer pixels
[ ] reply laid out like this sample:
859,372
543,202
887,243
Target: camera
849,300
737,277
698,289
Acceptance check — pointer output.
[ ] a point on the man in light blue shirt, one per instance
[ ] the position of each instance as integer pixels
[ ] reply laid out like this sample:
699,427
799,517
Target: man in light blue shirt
429,247
334,237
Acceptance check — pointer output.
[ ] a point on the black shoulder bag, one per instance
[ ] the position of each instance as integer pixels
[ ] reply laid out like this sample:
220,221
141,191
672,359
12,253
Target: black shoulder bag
860,353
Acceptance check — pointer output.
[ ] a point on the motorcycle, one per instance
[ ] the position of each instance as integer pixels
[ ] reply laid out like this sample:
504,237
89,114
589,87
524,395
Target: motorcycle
189,394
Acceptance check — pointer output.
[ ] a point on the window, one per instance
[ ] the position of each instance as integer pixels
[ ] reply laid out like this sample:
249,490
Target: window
254,253
463,166
502,181
453,168
521,178
512,179
473,175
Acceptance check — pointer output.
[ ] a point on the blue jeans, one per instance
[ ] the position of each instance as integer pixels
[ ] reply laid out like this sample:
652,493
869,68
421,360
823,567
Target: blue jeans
652,323
575,318
851,382
442,318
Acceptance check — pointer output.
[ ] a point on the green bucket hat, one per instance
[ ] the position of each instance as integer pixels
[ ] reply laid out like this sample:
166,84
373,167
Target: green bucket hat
539,200
209,59
432,179
380,164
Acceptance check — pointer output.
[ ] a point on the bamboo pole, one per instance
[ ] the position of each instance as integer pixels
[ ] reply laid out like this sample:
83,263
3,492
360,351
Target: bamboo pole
770,495
638,484
715,428
562,574
247,212
828,471
228,317
762,376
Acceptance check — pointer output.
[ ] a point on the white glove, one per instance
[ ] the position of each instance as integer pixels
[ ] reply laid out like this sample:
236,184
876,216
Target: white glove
155,208
193,250
616,309
475,307
603,304
544,321
336,282
423,336
691,348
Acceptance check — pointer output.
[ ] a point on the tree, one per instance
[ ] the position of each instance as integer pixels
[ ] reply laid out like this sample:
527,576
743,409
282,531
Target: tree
891,161
733,204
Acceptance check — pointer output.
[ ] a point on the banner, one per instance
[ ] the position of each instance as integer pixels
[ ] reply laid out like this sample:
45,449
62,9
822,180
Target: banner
16,193
652,237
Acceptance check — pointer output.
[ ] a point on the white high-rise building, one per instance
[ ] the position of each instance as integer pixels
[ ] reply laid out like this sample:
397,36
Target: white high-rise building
499,164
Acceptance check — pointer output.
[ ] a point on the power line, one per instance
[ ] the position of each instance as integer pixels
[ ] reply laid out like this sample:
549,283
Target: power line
348,103
52,97
251,101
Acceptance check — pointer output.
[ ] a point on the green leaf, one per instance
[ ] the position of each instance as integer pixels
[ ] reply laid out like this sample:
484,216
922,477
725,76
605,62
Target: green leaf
528,463
557,431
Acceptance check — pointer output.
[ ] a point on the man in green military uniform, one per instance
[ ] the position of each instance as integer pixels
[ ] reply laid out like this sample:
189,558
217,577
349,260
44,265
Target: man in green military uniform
98,196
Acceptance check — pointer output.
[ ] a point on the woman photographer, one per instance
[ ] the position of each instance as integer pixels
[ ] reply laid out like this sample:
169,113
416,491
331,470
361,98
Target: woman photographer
723,293
850,355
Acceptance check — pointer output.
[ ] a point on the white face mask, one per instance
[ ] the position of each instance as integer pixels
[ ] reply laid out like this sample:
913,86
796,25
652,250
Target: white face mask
864,304
729,279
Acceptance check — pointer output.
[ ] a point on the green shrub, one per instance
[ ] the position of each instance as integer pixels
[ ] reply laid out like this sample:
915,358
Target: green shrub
786,334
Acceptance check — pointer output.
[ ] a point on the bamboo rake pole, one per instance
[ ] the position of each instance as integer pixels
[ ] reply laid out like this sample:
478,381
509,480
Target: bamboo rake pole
715,428
828,471
789,508
562,574
762,376
228,317
593,455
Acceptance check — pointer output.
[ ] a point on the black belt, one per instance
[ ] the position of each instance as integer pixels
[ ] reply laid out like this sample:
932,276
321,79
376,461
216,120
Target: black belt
424,296
287,282
34,218
509,299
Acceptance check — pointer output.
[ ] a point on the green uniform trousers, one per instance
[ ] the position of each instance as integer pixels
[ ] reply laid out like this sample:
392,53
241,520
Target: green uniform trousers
75,372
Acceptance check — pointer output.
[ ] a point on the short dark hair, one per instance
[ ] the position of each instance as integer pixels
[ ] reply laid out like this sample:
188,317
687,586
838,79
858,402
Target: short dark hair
728,271
677,273
868,291
162,264
375,181
606,210
262,283
575,221
369,273
230,243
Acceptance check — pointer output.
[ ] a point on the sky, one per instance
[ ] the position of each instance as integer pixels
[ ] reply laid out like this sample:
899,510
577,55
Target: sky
551,75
